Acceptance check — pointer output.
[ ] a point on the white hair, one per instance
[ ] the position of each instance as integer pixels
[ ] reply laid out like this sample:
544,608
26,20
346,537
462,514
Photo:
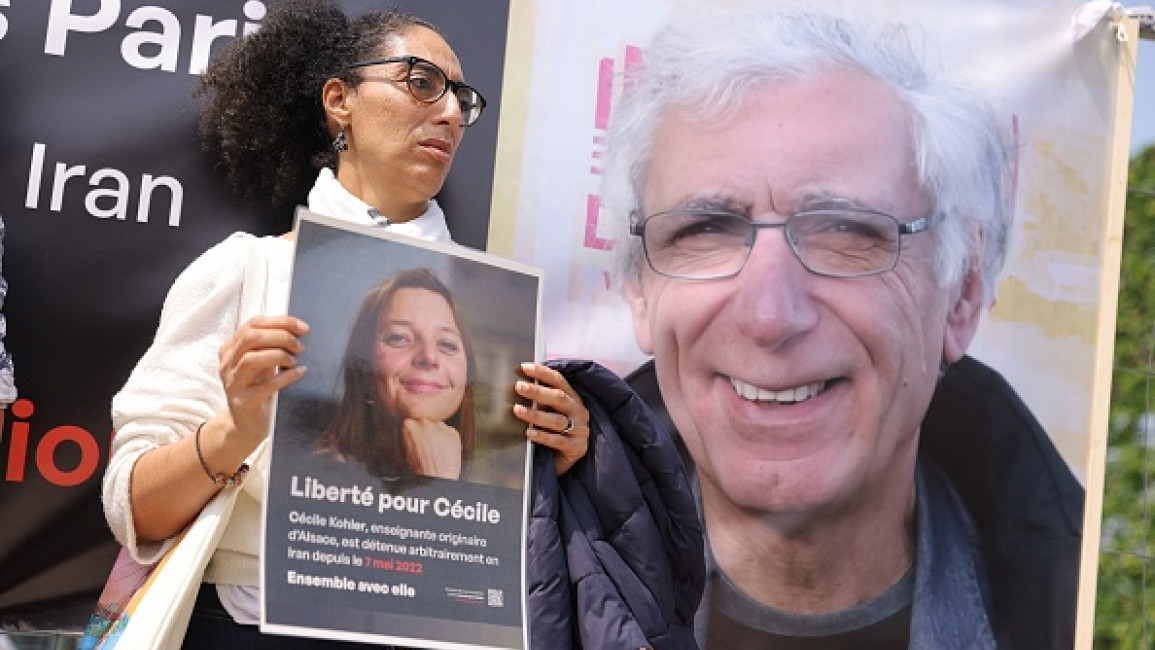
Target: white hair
708,61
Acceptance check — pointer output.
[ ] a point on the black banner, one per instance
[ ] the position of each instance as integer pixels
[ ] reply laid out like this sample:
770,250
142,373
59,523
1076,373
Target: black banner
107,196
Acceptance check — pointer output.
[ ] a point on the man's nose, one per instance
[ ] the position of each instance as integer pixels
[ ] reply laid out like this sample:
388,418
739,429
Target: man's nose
772,302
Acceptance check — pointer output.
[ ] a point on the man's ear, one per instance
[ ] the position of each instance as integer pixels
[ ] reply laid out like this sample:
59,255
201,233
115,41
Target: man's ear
962,321
640,311
335,98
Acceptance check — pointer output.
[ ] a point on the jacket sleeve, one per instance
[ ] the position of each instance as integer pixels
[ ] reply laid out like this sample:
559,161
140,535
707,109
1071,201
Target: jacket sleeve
549,607
628,528
175,386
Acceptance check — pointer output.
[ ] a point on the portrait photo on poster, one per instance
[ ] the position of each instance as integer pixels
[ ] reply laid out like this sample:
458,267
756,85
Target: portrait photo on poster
396,489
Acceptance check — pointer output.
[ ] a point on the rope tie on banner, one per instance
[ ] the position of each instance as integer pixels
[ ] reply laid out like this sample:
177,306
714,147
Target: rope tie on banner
1093,13
1117,17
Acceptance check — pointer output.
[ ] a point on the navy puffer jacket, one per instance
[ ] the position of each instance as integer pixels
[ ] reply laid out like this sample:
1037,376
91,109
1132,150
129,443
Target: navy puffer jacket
614,555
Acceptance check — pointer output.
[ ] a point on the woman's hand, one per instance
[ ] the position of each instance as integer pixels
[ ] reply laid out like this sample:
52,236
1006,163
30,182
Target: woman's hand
170,484
255,363
433,448
558,419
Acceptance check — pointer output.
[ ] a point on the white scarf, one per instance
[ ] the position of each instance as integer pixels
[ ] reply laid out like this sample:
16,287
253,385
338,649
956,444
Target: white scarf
330,198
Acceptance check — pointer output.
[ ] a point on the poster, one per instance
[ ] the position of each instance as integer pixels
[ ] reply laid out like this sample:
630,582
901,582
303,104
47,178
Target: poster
367,538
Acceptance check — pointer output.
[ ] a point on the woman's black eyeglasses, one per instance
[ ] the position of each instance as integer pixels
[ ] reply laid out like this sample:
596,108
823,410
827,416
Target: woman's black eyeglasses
429,83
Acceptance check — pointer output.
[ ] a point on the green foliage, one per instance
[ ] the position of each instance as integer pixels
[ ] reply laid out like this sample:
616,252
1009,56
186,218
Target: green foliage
1125,603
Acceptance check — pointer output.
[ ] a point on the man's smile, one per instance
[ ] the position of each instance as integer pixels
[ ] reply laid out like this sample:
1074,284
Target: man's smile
787,396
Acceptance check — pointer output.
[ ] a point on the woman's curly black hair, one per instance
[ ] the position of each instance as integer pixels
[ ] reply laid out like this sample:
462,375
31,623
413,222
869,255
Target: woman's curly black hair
262,117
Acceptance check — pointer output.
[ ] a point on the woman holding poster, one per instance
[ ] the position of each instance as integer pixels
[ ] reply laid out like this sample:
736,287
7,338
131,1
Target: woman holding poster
378,105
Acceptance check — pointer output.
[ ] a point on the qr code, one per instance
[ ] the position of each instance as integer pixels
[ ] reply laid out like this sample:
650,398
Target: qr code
496,598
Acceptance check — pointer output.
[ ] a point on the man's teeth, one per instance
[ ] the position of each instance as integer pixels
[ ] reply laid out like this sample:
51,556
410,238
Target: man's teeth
788,396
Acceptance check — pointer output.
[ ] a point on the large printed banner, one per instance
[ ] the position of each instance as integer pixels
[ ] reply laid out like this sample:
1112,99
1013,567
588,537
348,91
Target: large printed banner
106,196
1056,72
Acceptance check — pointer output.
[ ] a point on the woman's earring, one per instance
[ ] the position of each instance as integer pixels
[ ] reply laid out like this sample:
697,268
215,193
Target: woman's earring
341,142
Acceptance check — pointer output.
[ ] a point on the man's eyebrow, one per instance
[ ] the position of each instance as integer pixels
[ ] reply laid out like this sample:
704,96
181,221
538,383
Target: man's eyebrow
734,205
829,201
716,203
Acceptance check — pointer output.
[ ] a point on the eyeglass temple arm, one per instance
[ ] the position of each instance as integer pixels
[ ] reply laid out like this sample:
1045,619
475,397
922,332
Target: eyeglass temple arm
916,226
637,224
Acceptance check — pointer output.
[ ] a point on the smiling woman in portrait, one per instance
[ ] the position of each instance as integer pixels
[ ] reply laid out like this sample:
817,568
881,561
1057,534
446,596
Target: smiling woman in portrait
408,403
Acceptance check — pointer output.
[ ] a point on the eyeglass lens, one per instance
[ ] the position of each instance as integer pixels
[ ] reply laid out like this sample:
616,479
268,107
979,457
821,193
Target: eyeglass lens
716,245
428,83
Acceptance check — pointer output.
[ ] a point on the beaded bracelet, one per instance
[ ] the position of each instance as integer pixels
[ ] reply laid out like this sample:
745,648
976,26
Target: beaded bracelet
221,480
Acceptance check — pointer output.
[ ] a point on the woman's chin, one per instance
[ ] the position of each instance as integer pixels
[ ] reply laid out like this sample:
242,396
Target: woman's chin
430,413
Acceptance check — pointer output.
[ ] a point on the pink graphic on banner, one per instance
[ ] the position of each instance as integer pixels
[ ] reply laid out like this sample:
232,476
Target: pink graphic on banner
591,239
602,109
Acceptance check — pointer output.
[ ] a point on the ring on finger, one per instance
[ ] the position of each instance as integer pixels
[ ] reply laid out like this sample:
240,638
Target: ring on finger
569,425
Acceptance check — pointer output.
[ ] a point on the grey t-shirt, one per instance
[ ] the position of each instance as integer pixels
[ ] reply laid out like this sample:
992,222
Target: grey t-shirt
737,622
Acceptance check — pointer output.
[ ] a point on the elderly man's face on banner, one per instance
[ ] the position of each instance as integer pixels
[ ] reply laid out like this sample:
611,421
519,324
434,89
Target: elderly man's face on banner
797,392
